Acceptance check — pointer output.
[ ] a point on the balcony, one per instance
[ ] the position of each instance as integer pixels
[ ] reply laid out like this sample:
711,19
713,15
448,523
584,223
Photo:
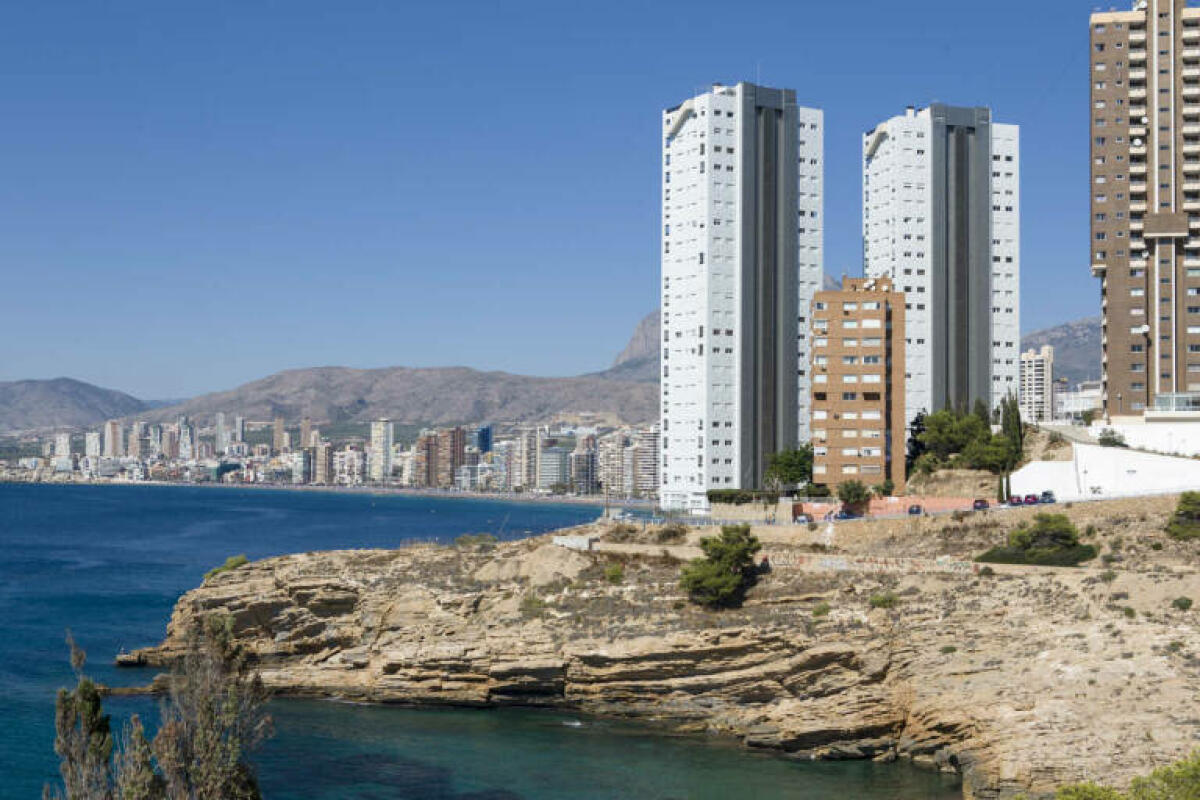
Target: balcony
1138,187
1137,205
1137,169
1191,186
1191,34
1191,205
1191,54
1137,224
1099,270
1191,262
1137,92
1191,148
1191,128
1191,72
1137,56
1137,130
1137,37
1137,150
1138,74
1191,92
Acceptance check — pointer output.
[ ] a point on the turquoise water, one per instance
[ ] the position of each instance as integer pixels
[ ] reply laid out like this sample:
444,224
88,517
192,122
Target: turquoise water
109,563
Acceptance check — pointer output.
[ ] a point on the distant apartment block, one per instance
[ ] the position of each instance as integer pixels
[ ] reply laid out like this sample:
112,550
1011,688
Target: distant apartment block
1037,385
941,219
380,464
91,444
451,445
741,255
858,367
114,439
279,436
1074,404
1145,202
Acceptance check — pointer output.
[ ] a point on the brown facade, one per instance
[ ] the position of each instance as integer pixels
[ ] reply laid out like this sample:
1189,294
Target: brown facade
452,445
858,384
1145,200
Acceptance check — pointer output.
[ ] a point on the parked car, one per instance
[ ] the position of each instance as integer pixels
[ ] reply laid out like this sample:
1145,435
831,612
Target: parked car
802,519
1031,500
1016,500
915,510
844,514
1048,497
980,505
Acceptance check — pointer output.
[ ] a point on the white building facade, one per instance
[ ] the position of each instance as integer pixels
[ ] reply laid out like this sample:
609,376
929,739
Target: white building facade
941,218
1037,385
742,239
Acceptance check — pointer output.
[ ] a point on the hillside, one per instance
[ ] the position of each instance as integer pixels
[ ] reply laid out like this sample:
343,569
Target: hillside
27,405
1076,348
430,396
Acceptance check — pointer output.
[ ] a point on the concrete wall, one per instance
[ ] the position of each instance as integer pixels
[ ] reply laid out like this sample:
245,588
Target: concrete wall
1096,471
1180,438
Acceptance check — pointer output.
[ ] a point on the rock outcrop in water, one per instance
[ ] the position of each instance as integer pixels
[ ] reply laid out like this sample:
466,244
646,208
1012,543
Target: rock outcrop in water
1020,681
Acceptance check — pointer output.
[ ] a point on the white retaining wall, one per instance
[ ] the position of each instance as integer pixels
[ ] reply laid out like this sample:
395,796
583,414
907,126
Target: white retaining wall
1096,472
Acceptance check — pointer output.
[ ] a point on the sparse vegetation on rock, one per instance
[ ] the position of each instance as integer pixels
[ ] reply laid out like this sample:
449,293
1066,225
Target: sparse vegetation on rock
231,563
722,577
1179,781
1185,522
1052,540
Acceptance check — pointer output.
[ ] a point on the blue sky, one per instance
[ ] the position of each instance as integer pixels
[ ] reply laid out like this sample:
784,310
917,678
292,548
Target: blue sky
197,195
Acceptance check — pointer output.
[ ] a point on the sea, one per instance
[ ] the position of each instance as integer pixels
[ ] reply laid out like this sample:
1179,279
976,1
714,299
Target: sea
109,562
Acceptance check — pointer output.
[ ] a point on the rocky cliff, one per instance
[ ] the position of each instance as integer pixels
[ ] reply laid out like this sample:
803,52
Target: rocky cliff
1019,681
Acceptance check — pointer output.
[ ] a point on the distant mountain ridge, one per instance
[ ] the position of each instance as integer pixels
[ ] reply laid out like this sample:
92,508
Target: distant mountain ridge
424,396
66,402
1076,348
626,392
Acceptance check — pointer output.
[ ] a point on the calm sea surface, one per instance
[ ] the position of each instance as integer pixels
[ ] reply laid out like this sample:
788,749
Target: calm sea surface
109,563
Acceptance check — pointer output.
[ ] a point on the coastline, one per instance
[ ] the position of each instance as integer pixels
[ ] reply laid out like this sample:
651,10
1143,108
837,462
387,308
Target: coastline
382,491
958,672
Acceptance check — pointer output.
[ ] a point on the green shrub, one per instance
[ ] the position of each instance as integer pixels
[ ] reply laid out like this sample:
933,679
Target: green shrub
721,578
671,533
1178,781
1108,576
1129,612
1182,603
948,649
532,605
821,609
1185,522
1051,541
1110,438
986,572
484,541
231,563
884,600
614,573
741,497
854,494
1156,545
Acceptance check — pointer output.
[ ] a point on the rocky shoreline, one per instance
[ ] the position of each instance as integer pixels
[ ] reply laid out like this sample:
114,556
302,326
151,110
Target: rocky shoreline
1019,682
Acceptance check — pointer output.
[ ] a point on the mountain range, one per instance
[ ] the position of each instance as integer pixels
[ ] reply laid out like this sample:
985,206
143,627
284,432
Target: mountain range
626,392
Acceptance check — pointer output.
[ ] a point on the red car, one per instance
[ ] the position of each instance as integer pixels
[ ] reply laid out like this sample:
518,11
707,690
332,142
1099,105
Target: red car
1016,500
980,505
1032,500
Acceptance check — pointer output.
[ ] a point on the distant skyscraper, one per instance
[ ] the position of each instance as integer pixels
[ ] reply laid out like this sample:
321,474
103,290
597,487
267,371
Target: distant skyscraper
554,469
222,434
452,444
279,440
425,459
62,445
1145,199
306,432
741,258
114,441
1037,385
91,444
239,429
941,213
187,439
583,465
481,438
646,443
382,435
139,440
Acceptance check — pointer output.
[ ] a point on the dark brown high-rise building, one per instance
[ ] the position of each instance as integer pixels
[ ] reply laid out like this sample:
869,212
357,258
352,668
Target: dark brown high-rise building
452,445
425,459
1145,200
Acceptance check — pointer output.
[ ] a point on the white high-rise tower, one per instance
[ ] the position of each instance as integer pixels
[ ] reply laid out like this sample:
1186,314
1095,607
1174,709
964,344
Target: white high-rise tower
741,260
941,218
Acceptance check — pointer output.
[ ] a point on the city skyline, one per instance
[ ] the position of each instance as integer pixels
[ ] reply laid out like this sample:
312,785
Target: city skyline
233,206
